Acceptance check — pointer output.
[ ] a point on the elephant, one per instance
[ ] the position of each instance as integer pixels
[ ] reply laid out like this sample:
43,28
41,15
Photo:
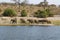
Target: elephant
22,21
30,21
14,21
42,21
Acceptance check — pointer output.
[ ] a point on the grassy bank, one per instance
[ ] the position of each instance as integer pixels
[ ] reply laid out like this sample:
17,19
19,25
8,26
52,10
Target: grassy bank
56,22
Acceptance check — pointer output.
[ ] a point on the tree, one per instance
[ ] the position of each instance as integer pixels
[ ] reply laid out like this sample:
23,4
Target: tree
9,12
18,3
49,13
23,13
24,2
41,14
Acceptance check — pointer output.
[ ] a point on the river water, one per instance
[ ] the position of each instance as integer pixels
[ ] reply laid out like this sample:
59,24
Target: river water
29,32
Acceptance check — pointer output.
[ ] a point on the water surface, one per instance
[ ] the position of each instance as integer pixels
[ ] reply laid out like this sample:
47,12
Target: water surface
29,32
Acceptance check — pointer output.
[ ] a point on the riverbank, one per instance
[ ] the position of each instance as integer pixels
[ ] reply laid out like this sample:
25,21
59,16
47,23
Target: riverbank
21,21
56,22
24,24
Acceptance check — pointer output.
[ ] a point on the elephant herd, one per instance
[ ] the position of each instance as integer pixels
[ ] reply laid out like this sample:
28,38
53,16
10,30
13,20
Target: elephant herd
14,21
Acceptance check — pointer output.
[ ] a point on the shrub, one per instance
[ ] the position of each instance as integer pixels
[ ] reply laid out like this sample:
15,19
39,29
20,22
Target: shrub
49,13
9,12
23,13
41,14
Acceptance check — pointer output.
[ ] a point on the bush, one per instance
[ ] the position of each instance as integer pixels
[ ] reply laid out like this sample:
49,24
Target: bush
9,12
23,13
43,14
49,13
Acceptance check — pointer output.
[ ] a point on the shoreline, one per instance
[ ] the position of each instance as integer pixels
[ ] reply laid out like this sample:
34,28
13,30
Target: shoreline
28,21
26,24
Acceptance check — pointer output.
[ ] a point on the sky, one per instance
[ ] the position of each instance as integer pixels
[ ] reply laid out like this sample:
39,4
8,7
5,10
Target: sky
57,2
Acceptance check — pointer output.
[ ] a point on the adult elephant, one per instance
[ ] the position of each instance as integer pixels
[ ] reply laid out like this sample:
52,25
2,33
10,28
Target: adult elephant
44,21
13,21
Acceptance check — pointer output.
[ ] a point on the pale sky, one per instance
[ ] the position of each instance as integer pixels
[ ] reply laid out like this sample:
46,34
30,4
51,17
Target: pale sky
57,2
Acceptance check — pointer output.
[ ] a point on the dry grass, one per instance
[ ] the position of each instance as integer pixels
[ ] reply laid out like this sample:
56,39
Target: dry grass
56,22
29,9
